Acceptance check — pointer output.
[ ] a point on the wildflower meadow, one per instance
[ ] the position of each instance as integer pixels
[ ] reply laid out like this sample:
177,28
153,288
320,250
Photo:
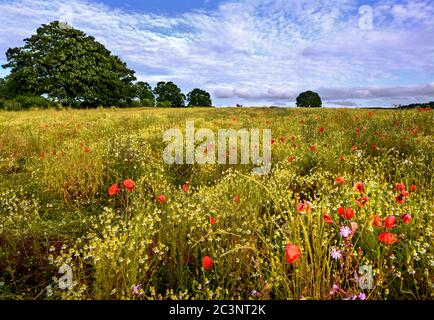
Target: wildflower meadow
89,208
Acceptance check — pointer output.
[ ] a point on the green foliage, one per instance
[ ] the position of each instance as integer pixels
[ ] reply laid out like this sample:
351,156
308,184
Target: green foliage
69,67
169,92
144,93
24,102
199,98
309,99
3,90
429,105
148,103
164,104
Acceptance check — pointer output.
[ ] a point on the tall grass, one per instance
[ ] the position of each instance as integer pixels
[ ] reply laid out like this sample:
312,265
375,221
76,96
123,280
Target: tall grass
56,168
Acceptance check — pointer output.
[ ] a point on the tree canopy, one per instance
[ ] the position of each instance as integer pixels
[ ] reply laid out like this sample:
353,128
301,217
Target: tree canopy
69,67
3,90
144,93
309,99
63,65
199,98
169,94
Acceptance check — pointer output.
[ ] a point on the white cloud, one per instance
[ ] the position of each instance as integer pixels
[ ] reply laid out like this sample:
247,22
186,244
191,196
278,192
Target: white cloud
332,94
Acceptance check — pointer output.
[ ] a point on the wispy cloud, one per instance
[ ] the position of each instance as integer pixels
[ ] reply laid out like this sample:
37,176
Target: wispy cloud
258,50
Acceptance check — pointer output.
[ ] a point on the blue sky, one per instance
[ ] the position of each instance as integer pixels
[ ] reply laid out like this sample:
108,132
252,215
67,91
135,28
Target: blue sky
163,7
255,52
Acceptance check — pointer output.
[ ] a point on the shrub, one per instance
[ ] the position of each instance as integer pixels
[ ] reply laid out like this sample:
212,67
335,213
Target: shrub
148,103
24,103
164,104
28,102
135,104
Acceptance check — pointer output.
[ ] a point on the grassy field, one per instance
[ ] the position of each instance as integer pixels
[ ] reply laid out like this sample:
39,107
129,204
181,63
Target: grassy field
56,168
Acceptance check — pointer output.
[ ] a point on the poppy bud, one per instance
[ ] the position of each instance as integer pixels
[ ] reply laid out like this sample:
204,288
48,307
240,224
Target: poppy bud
161,198
406,218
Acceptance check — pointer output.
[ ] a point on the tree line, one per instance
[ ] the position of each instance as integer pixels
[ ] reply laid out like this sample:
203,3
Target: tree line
429,105
60,65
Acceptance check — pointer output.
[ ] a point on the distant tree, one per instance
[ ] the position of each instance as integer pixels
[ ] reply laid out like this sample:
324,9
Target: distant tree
199,98
417,105
69,67
144,93
309,99
169,92
3,89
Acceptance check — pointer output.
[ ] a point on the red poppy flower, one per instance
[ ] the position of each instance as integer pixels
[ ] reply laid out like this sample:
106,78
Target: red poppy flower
400,198
340,180
161,198
390,222
282,139
413,188
304,207
129,185
388,238
273,141
236,198
291,158
207,262
346,213
400,187
312,148
87,150
113,190
361,202
212,220
342,158
406,218
359,187
327,219
185,187
378,222
292,253
321,130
